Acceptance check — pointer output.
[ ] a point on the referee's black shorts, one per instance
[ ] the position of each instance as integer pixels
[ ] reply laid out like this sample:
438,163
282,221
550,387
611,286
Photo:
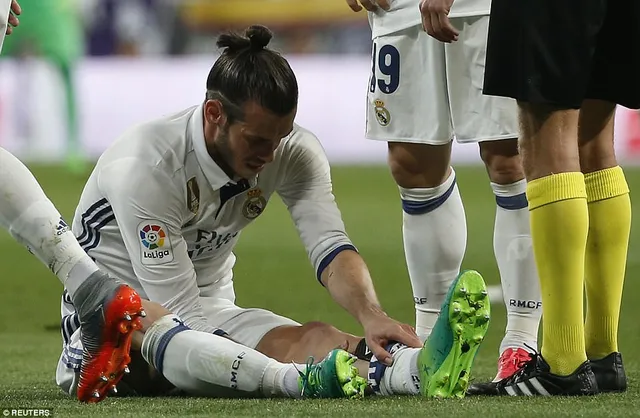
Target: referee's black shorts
561,52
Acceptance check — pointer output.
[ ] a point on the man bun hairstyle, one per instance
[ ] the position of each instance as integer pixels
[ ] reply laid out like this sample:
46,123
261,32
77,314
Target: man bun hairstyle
255,38
249,71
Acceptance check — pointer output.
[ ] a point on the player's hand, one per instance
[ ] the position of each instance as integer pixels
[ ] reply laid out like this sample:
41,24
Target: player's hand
13,16
435,20
380,330
370,5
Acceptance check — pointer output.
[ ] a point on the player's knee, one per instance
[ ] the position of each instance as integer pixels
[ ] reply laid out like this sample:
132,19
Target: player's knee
593,159
505,170
419,165
298,343
502,161
596,128
321,334
549,139
316,330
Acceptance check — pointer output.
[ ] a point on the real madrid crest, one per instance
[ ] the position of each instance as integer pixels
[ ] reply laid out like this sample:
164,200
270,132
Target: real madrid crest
254,205
382,114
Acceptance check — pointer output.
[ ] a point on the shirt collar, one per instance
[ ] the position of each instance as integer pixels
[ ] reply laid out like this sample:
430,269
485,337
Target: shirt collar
212,171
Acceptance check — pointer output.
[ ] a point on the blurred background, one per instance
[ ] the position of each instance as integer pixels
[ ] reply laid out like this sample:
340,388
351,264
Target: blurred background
77,73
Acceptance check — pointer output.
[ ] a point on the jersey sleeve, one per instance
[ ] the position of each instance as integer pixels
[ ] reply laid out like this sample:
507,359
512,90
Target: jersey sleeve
147,207
307,192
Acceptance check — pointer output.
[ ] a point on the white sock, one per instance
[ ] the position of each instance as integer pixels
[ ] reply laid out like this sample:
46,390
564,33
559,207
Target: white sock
518,273
402,377
31,218
435,238
204,364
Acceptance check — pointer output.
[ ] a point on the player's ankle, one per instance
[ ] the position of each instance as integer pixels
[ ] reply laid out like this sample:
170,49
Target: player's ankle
425,321
84,285
157,337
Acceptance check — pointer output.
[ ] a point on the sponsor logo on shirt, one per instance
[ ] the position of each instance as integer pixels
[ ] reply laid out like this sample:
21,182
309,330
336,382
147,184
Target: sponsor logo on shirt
208,241
156,246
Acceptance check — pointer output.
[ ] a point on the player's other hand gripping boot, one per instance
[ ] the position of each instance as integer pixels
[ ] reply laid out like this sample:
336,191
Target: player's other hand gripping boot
109,313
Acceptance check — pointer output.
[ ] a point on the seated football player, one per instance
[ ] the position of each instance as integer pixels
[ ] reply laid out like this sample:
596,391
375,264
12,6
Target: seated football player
163,210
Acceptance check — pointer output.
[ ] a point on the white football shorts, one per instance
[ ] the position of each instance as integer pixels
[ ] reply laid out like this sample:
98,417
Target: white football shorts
246,326
424,91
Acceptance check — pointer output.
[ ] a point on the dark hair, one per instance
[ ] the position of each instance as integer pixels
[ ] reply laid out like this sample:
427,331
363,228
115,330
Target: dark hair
247,70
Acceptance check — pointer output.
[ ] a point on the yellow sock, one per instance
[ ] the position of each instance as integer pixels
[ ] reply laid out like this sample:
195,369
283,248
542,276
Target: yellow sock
606,258
559,227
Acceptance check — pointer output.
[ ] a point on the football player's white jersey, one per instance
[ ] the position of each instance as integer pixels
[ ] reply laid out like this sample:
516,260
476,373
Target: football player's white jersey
160,214
406,13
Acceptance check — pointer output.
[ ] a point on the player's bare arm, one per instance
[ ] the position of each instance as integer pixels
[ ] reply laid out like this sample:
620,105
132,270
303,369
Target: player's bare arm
307,193
348,281
435,20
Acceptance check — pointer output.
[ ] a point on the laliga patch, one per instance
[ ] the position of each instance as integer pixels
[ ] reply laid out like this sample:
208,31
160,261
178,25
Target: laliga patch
154,242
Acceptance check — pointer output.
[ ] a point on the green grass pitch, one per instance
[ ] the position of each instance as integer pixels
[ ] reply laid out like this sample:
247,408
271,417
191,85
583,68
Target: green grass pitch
271,265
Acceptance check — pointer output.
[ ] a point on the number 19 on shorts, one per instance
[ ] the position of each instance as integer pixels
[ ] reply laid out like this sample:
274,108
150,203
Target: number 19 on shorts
386,60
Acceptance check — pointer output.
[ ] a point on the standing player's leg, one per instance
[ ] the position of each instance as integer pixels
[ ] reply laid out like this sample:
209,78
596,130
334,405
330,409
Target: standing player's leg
557,197
434,225
514,254
32,219
493,123
408,108
607,244
556,189
613,80
104,305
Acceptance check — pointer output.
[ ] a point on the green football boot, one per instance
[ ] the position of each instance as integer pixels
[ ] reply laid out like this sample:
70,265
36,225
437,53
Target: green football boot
333,377
445,360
